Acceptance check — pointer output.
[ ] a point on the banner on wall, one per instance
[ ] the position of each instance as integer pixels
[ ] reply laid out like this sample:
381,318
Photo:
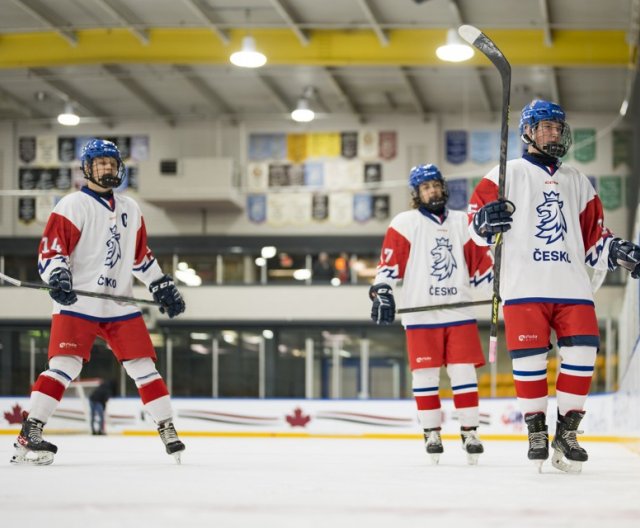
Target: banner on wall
319,207
296,147
372,173
584,145
267,147
484,146
27,149
388,144
380,206
348,144
611,192
458,197
257,208
368,144
622,148
26,210
362,207
456,146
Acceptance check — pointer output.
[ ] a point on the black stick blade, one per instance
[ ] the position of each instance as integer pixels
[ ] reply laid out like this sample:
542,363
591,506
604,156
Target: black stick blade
477,38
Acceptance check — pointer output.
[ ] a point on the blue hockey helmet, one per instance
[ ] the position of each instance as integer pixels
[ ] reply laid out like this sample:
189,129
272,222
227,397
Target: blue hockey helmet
101,148
423,173
540,110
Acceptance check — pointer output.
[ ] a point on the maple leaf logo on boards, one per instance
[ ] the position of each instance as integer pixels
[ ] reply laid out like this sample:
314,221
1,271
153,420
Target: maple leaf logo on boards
15,416
298,419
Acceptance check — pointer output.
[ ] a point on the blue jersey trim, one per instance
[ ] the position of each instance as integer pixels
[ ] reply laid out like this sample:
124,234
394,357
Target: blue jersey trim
441,325
101,319
438,219
145,267
100,199
552,300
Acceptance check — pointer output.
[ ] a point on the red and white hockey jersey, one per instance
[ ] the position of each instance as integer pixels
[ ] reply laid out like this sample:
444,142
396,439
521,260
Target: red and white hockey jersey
438,263
557,227
103,242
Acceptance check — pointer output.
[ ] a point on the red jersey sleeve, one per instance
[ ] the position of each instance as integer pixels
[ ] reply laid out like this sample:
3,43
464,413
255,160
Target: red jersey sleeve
479,262
58,241
393,257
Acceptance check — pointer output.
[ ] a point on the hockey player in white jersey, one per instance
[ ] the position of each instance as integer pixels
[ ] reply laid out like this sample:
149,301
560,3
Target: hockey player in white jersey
430,249
96,240
552,224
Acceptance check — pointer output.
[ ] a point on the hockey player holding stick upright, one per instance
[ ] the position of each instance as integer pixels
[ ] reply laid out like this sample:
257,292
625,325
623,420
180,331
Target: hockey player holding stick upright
552,224
429,248
97,240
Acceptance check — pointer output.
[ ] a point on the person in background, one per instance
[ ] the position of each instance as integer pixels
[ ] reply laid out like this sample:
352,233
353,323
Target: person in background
96,240
552,225
430,249
98,404
323,270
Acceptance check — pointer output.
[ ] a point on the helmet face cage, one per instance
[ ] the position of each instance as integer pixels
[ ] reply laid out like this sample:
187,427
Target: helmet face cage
538,111
100,148
424,173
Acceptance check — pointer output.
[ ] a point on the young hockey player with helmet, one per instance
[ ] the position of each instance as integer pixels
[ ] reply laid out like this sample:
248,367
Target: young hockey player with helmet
429,248
96,240
552,224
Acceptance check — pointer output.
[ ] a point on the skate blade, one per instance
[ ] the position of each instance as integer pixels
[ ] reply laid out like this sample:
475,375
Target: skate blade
177,456
472,458
538,464
435,458
26,457
568,466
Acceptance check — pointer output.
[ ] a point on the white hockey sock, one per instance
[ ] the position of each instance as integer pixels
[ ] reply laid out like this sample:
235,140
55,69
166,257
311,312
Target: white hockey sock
464,384
51,384
574,378
530,379
151,386
425,384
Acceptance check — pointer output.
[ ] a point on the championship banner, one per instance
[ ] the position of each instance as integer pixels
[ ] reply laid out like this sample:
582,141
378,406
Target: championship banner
458,198
352,173
46,150
456,146
299,208
295,174
335,173
368,144
257,176
278,175
314,174
319,207
277,204
27,149
140,148
372,173
296,147
622,148
132,177
62,180
44,207
484,146
267,147
381,207
610,192
362,207
66,149
387,144
584,145
340,208
257,208
323,145
349,144
26,210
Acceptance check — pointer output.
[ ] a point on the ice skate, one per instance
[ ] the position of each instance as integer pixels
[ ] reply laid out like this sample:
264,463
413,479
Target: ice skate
568,455
31,449
170,438
538,438
471,444
433,444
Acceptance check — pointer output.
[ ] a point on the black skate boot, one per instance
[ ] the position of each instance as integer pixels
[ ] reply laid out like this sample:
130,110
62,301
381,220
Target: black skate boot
433,444
538,438
471,444
30,447
566,445
170,438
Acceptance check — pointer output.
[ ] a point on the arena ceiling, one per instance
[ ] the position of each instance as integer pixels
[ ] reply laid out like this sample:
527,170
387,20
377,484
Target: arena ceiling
118,60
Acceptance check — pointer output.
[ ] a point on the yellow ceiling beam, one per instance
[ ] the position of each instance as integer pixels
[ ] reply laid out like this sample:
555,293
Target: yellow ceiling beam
571,48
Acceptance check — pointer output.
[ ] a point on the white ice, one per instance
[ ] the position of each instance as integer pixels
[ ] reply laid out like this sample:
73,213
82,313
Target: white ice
118,481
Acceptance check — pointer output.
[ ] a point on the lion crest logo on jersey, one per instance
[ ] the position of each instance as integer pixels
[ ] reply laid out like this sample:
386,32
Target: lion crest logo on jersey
113,248
444,263
552,225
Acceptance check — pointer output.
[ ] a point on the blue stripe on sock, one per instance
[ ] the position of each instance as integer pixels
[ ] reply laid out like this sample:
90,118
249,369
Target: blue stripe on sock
529,373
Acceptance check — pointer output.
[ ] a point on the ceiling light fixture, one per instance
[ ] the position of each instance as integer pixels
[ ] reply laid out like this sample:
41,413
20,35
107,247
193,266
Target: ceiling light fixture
455,50
248,57
69,116
302,113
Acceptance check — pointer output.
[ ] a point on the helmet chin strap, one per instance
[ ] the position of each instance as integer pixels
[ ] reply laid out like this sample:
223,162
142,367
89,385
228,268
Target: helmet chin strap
435,206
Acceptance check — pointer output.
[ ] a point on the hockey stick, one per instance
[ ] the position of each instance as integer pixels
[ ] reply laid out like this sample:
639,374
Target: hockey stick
443,306
478,39
46,287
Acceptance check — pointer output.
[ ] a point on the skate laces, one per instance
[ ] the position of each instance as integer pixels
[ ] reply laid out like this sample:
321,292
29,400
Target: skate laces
569,436
470,437
34,431
433,438
538,439
168,433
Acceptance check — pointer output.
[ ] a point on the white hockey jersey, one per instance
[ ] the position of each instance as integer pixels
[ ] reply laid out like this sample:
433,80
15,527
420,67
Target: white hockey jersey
103,242
438,263
558,226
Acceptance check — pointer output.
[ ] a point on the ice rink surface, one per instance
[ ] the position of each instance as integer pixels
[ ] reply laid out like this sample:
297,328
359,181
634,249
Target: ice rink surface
118,481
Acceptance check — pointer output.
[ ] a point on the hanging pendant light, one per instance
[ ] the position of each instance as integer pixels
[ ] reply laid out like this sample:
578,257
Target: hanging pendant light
455,50
302,113
248,56
68,117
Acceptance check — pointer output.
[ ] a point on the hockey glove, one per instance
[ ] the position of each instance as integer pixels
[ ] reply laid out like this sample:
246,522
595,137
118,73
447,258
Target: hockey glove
62,283
493,218
626,254
164,291
383,310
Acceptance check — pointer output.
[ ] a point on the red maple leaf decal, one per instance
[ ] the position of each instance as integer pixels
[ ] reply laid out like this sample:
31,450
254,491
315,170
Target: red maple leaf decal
298,419
15,416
